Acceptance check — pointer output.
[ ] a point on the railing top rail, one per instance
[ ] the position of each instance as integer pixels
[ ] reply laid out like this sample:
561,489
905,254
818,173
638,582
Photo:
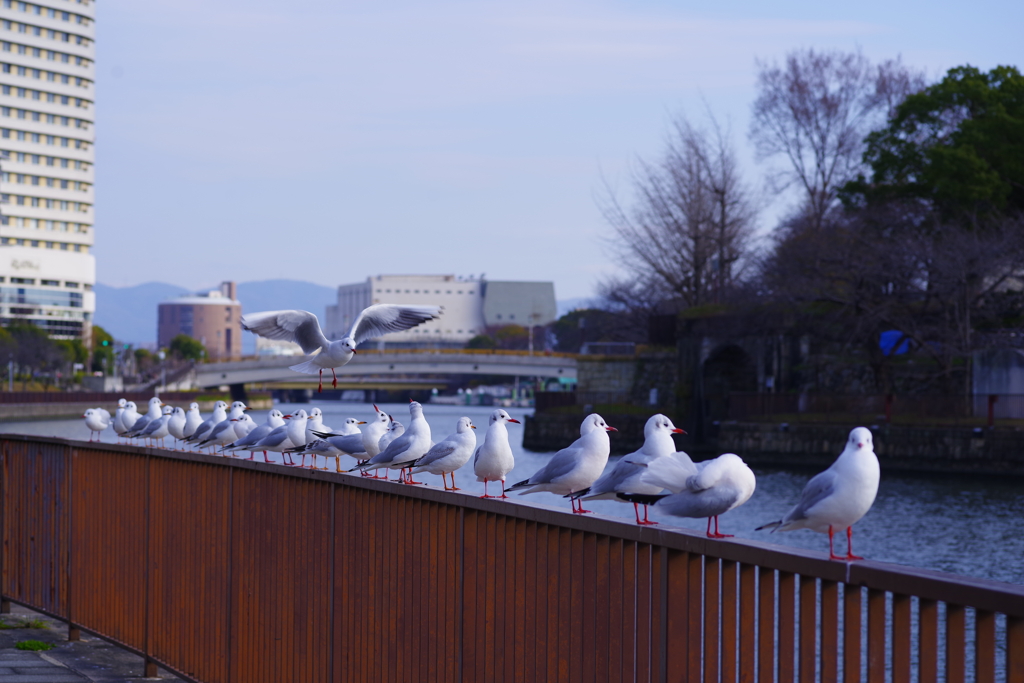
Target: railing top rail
984,594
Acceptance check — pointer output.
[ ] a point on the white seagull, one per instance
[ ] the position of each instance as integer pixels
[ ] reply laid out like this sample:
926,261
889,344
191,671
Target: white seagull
154,413
128,418
576,467
493,459
203,430
839,496
624,476
192,421
275,419
176,425
119,428
411,445
449,455
96,419
303,328
709,489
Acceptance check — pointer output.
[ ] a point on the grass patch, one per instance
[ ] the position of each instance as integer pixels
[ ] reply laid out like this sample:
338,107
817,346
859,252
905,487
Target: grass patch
24,623
33,645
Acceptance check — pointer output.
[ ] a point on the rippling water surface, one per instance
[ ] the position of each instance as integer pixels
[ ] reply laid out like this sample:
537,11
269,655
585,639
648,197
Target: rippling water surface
964,525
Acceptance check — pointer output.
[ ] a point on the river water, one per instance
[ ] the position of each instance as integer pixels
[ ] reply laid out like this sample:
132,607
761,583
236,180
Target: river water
965,525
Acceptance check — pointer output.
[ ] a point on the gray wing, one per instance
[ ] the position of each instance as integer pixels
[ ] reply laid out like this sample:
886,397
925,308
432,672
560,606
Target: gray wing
821,486
614,476
561,463
703,503
394,448
349,443
140,424
379,319
441,450
476,455
154,425
300,327
251,438
274,438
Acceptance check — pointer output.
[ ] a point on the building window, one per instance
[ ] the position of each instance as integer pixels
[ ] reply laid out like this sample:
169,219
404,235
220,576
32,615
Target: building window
23,280
50,283
71,285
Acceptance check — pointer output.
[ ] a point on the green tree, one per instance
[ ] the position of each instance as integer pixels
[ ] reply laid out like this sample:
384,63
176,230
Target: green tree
958,145
482,341
184,346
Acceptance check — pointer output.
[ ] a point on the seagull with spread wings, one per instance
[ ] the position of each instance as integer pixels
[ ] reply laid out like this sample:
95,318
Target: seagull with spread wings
303,328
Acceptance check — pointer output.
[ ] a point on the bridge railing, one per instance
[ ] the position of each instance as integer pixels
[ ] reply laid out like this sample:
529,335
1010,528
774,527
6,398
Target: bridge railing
228,570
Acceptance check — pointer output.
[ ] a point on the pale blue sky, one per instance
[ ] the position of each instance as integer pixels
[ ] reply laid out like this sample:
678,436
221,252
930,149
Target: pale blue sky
328,141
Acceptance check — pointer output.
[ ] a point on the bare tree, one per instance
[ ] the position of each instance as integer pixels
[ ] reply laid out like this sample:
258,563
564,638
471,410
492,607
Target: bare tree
690,224
814,111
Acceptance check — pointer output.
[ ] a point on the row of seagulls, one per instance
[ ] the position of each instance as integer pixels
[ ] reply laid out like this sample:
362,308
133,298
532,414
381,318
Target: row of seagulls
303,328
656,474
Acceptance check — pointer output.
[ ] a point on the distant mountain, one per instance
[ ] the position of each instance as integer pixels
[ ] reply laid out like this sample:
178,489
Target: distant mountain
129,313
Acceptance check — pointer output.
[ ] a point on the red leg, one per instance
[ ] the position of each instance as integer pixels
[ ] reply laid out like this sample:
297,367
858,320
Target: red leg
485,491
454,487
636,511
831,553
320,387
579,508
409,479
503,489
849,545
335,382
709,528
265,457
647,521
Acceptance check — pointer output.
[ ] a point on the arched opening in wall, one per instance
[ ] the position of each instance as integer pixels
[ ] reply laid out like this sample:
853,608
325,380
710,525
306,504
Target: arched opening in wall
728,369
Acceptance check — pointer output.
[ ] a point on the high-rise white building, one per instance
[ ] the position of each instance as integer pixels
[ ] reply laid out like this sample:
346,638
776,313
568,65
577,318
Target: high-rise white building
47,111
468,306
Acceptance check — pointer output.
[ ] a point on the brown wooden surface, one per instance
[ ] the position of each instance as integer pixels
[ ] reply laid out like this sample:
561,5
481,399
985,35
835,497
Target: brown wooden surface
228,570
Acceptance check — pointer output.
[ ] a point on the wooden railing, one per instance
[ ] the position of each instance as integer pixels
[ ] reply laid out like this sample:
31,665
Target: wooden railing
228,570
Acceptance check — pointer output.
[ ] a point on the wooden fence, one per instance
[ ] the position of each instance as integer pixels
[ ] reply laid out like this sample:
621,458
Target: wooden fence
226,570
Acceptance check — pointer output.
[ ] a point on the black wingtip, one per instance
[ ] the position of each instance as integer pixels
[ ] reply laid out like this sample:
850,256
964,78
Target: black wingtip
577,494
641,498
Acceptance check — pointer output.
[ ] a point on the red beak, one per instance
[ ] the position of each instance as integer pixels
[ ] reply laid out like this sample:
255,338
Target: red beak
376,408
611,429
860,445
353,352
287,417
677,430
516,421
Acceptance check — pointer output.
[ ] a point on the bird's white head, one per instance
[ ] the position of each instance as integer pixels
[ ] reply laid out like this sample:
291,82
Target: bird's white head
90,412
193,406
348,345
352,422
464,425
381,415
660,424
220,404
238,405
155,401
168,410
122,402
593,422
299,415
395,424
130,405
861,438
315,413
276,413
415,408
179,411
500,415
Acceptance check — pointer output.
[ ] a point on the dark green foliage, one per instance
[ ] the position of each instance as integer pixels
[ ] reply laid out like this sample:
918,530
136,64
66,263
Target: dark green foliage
185,347
957,145
33,645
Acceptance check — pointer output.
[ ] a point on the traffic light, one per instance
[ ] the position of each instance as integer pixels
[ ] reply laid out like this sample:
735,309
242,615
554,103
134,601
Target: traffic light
105,342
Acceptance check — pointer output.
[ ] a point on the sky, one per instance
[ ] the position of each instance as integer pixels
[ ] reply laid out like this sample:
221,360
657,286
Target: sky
329,141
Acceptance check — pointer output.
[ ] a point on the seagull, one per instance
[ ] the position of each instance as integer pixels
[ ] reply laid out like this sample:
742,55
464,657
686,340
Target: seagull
225,432
277,441
119,428
275,419
708,489
449,455
402,451
839,496
154,413
395,429
97,419
157,429
303,328
176,425
129,417
192,421
218,416
624,476
574,468
493,459
334,446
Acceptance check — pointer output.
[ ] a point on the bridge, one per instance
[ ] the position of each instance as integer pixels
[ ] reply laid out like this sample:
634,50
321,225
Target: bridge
372,368
193,562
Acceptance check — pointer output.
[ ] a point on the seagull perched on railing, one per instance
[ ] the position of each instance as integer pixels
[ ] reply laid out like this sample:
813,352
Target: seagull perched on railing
449,455
839,496
303,328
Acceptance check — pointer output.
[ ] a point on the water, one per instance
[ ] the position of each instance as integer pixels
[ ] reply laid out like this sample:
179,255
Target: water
964,525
